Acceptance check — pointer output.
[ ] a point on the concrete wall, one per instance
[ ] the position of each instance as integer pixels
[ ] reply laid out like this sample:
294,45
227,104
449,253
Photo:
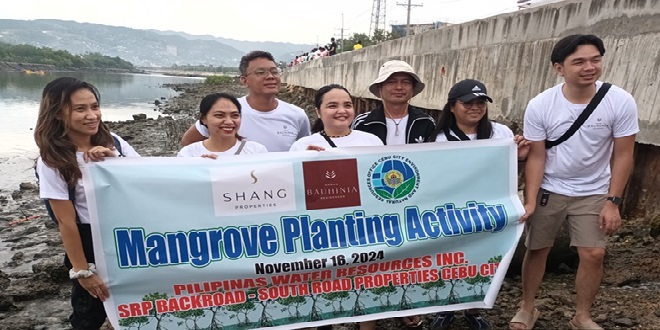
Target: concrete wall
510,54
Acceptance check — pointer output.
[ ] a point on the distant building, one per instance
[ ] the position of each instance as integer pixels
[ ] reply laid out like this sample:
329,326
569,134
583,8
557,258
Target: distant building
524,4
400,29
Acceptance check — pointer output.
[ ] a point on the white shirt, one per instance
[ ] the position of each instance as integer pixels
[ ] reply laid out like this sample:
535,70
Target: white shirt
580,166
355,139
499,132
197,149
276,129
393,139
53,186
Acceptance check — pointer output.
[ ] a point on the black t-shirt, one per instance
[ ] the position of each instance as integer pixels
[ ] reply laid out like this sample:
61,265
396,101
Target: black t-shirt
333,48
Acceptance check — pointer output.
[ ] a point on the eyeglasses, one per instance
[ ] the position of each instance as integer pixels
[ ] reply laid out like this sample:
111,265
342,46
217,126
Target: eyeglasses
263,72
469,105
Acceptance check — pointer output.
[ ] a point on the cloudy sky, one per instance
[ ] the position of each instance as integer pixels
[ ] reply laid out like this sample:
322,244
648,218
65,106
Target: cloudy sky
296,21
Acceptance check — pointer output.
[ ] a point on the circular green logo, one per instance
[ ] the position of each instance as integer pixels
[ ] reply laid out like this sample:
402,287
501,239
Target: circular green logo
393,179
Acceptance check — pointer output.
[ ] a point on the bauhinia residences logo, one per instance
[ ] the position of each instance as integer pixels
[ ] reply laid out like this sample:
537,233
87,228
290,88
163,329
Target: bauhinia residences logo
331,184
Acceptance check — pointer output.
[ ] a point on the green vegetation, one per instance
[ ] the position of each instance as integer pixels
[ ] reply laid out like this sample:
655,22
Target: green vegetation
218,80
378,37
60,58
205,68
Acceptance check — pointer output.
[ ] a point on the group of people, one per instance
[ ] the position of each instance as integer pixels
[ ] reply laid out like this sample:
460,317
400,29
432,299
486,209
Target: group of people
322,51
580,180
316,52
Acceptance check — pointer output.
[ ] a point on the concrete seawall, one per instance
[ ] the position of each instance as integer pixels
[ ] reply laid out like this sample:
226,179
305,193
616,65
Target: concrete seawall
510,53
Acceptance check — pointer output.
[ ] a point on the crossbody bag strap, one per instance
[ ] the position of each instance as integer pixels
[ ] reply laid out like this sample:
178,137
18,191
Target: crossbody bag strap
118,146
582,118
240,147
328,139
460,135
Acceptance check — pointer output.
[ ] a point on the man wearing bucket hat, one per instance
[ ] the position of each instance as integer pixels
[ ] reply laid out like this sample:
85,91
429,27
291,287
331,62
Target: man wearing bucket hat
395,121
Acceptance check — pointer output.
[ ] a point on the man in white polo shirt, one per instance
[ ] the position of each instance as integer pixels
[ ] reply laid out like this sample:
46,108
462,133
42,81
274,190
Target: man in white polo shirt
264,118
580,180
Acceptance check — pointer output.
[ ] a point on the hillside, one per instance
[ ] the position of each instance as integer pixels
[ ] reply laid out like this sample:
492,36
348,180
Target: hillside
282,51
141,47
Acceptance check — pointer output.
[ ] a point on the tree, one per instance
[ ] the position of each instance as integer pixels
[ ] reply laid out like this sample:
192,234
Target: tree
337,296
190,315
477,282
153,312
60,58
295,301
435,287
386,291
378,37
358,307
242,308
137,322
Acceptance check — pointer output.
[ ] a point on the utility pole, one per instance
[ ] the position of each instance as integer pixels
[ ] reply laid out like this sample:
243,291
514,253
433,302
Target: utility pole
409,5
341,33
377,16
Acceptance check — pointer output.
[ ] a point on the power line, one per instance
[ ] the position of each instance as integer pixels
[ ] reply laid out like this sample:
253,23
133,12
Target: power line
409,5
341,35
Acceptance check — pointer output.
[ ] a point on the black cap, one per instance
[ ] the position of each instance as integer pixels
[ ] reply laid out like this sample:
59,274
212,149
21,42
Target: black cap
468,90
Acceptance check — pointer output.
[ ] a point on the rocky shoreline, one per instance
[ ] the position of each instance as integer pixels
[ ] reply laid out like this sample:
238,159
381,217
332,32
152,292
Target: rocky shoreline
34,285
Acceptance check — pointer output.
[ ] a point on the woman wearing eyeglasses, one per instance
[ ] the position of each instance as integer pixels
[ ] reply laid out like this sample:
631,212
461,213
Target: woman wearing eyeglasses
465,117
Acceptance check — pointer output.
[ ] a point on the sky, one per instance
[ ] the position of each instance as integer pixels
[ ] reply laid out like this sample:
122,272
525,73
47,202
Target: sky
295,21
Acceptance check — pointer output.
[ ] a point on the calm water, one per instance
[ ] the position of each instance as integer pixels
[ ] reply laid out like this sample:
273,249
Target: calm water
122,95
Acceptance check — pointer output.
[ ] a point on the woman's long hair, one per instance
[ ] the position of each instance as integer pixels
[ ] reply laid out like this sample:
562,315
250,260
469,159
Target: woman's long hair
318,101
447,123
50,134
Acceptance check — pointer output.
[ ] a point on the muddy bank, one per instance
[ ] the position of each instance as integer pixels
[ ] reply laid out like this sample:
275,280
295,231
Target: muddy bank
34,287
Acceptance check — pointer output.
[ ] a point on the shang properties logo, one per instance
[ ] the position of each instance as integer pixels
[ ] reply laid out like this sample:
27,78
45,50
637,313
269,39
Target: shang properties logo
253,189
331,184
393,179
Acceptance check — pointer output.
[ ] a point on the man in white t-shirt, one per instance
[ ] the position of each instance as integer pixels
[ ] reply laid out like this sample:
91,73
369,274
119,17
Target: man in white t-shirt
580,180
264,118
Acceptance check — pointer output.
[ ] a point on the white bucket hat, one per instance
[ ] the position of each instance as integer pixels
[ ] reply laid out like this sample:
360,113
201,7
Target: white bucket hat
391,67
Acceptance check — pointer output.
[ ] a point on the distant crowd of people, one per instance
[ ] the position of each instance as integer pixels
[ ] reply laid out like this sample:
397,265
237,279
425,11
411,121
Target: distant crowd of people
322,51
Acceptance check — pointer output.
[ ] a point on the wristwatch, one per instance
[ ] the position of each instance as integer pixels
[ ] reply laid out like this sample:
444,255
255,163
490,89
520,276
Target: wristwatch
616,200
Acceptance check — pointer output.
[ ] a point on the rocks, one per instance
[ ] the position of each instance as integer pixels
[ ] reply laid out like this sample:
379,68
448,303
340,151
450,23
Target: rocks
16,195
28,186
655,225
623,322
140,116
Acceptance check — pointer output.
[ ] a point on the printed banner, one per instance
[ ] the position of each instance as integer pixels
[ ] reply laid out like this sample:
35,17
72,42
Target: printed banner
304,238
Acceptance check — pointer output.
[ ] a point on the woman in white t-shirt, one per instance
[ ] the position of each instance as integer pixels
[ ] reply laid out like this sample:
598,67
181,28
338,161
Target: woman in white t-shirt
69,131
335,111
221,114
465,117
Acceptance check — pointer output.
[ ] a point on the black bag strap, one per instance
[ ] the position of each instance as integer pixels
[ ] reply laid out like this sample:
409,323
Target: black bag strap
118,146
240,148
582,118
460,135
328,139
